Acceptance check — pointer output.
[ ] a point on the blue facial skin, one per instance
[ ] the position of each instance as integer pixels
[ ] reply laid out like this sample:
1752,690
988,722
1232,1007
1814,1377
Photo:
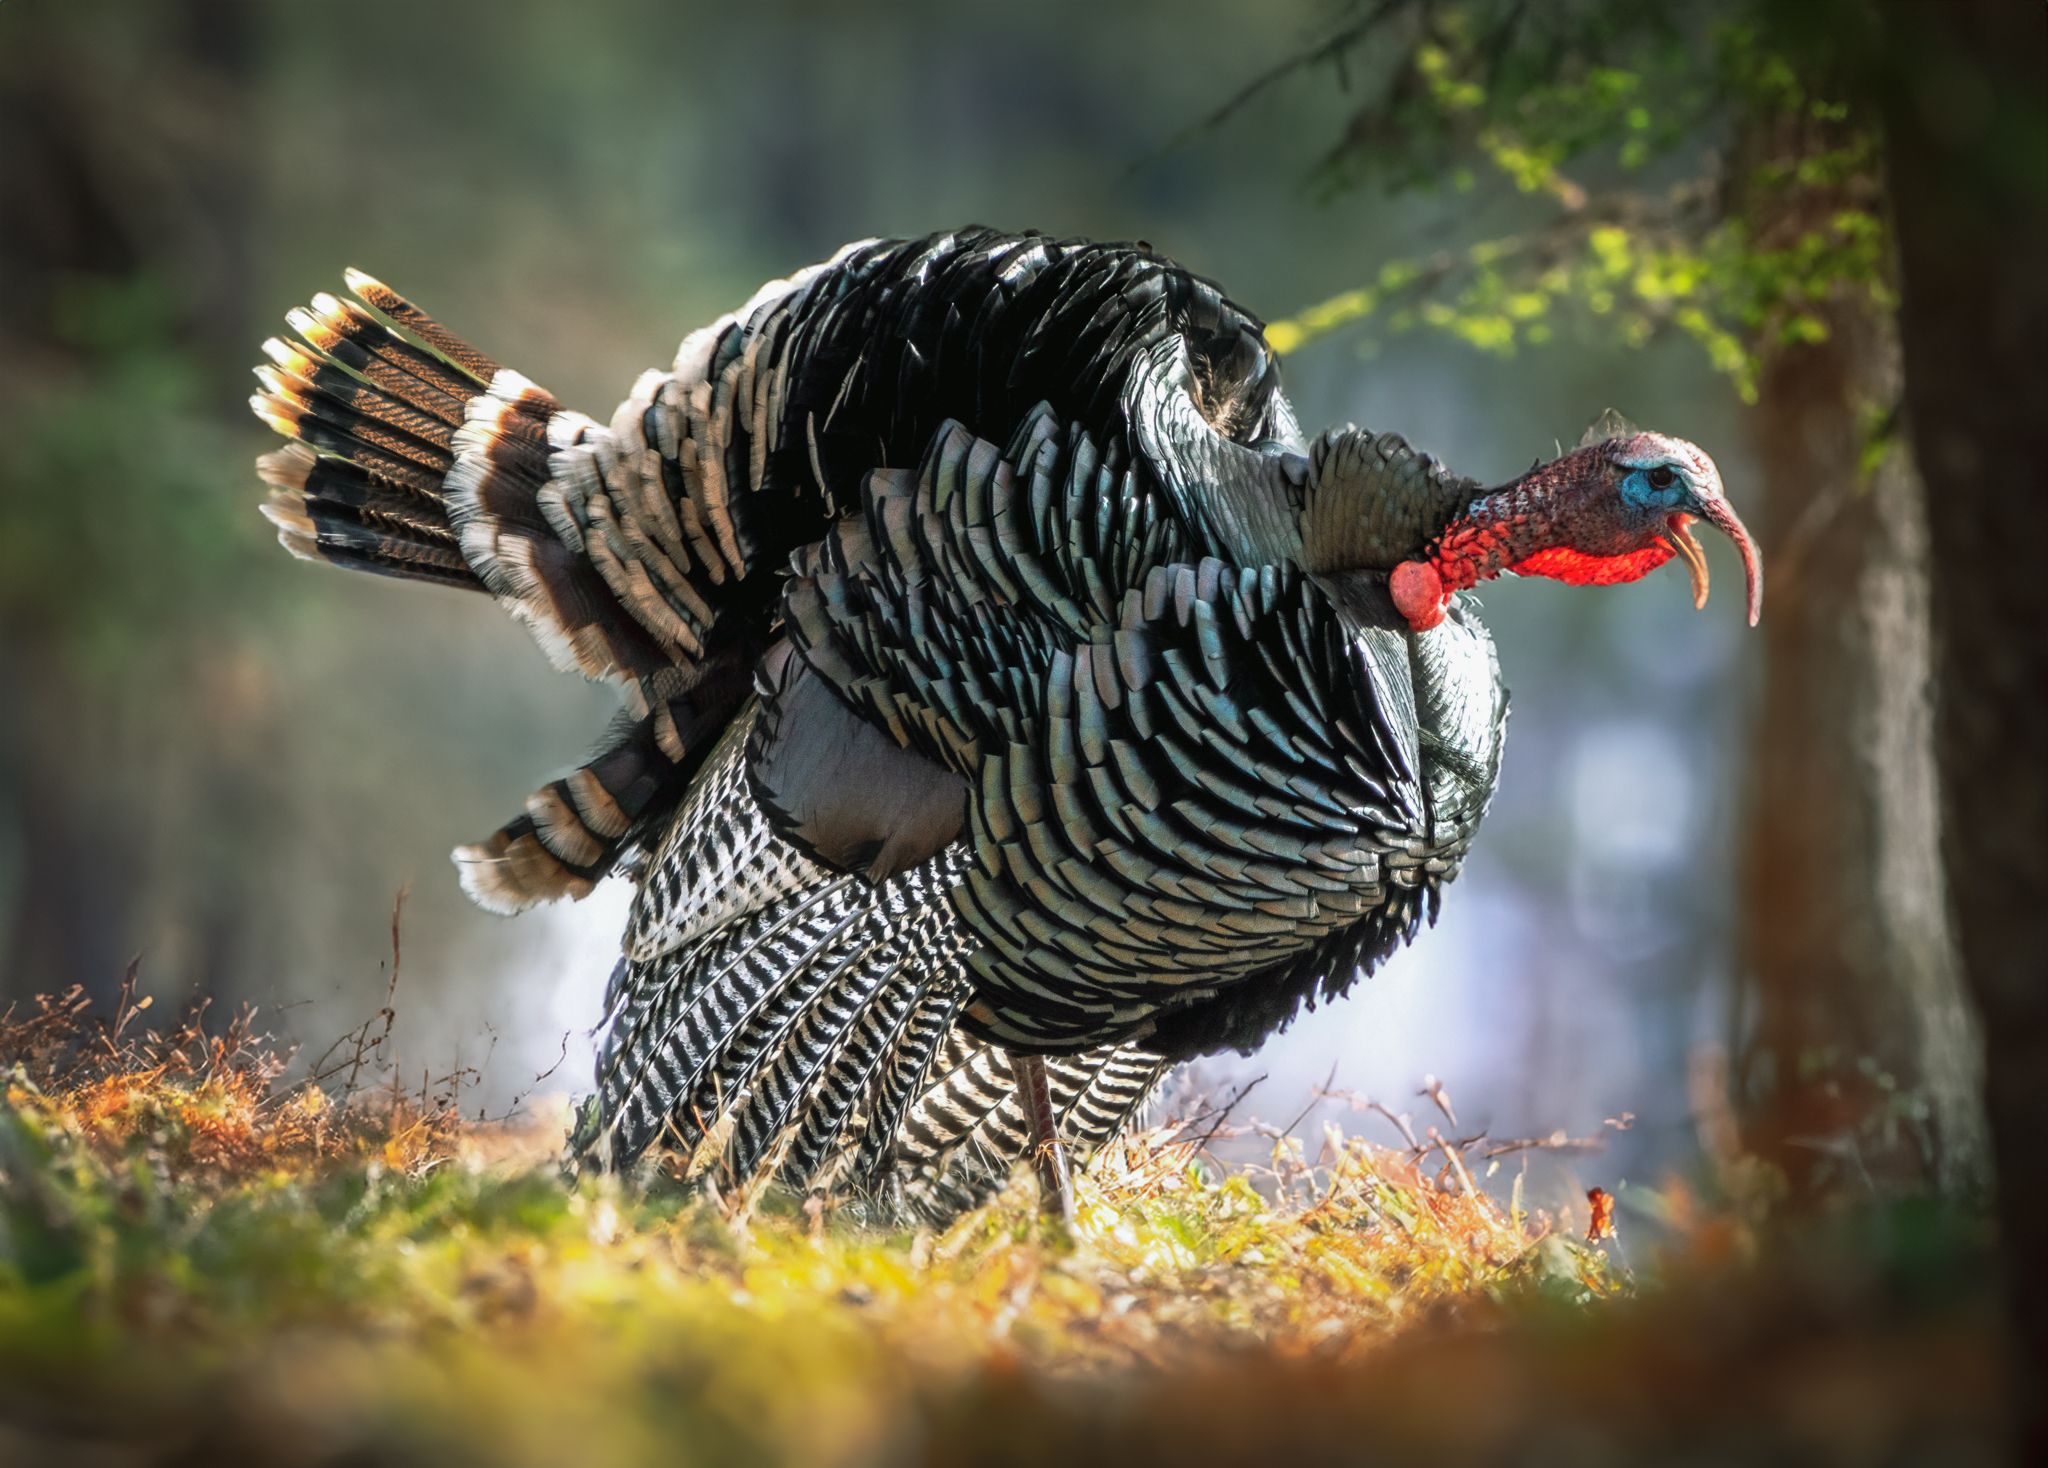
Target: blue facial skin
1656,490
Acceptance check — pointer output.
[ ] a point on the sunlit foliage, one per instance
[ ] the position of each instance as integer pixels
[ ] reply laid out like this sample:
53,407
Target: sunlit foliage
1587,112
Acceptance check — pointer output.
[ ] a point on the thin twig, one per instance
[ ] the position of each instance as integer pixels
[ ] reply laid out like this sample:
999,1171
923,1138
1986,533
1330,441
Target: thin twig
1223,1116
1315,1098
1329,49
125,1007
1434,1089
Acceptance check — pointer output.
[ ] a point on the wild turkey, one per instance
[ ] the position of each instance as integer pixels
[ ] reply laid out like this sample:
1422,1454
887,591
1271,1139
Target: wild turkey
1015,702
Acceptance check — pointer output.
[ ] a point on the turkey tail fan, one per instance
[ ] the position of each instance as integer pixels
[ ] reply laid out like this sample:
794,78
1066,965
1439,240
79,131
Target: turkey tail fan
333,509
572,829
451,347
374,418
416,455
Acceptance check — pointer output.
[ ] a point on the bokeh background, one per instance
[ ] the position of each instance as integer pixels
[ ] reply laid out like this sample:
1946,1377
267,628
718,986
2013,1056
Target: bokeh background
230,763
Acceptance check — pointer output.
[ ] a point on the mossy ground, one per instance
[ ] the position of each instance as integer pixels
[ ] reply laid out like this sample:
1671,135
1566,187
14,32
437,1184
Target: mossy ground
199,1265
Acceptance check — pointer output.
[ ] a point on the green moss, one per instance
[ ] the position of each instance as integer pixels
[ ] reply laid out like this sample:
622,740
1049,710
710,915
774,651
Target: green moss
194,1264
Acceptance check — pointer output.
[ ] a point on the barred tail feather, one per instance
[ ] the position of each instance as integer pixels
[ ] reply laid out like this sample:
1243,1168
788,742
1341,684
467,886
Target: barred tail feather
697,1049
373,419
826,1147
574,830
813,1077
417,455
968,1128
326,509
421,325
834,1063
779,1023
903,1078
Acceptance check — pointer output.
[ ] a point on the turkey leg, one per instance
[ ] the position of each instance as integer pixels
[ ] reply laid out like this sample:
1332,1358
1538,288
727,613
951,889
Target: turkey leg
1055,1181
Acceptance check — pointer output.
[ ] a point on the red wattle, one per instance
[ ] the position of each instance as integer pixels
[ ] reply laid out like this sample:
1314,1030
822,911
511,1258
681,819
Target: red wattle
1418,594
1576,568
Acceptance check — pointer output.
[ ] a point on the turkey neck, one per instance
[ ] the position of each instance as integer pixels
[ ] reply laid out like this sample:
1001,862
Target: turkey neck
1500,530
1365,512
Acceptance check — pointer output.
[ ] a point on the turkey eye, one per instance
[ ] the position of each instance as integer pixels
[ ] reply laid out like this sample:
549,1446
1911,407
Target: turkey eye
1661,477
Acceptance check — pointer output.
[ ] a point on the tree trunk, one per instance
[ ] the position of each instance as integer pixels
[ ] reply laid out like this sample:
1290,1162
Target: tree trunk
1861,1067
1967,132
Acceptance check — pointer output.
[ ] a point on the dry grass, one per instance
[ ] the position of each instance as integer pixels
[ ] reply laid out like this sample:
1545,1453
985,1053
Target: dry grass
199,1264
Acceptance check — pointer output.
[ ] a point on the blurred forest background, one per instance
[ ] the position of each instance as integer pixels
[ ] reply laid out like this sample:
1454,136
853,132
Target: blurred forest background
1712,866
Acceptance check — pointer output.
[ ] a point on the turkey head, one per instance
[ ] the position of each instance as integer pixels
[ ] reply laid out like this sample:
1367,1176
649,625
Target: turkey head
1606,513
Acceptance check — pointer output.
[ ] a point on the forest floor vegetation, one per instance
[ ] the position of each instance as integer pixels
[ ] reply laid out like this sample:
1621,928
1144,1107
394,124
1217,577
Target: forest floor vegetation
202,1263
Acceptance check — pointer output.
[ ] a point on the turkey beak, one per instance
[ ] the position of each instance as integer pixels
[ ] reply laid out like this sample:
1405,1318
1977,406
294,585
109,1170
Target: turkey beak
1716,512
1679,538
